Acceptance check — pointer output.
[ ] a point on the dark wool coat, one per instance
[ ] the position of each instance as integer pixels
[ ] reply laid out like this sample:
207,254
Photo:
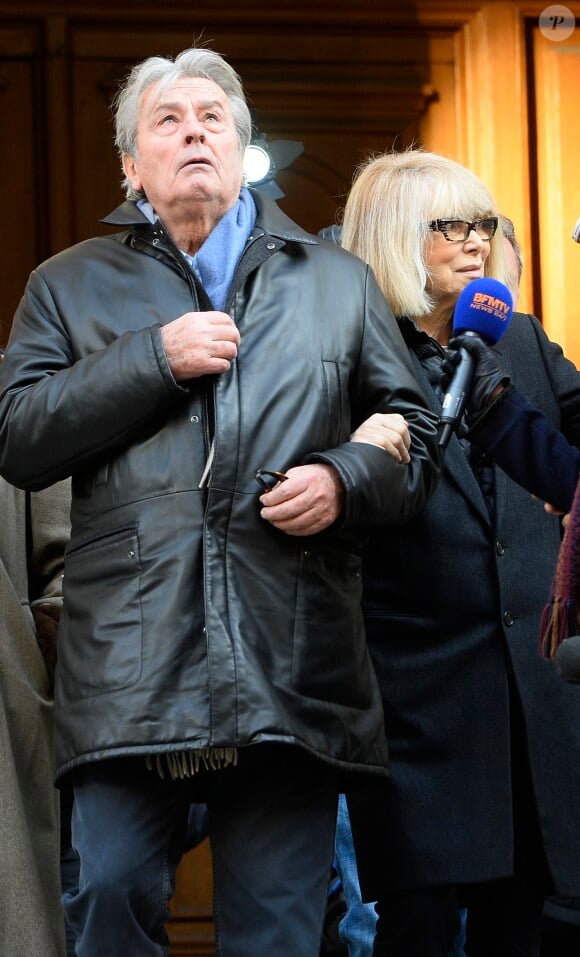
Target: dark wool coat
189,621
452,607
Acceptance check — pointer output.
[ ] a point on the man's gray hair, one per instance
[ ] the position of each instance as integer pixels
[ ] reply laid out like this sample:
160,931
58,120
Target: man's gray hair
165,71
510,234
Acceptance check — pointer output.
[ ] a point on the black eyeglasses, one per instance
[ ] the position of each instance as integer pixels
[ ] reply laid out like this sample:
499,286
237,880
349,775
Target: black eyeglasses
458,230
267,479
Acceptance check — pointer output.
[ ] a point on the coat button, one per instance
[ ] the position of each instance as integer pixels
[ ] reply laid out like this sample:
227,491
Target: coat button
508,619
194,419
270,245
500,548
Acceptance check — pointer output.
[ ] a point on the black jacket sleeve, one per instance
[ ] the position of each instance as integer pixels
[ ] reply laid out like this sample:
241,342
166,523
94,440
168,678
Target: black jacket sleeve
42,381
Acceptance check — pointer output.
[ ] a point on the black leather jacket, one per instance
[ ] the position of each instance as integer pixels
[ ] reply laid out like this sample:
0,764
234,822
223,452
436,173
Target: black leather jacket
189,621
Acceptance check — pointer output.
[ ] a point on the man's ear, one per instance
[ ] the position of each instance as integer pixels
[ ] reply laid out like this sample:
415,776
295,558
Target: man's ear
130,171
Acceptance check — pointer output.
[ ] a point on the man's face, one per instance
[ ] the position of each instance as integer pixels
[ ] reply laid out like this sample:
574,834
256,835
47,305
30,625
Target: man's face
187,148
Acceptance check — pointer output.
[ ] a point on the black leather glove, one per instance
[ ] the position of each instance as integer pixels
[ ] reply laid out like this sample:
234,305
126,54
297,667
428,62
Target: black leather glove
488,380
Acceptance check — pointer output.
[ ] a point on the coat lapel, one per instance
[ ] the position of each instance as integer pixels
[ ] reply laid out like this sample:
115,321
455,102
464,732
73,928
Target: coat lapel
504,487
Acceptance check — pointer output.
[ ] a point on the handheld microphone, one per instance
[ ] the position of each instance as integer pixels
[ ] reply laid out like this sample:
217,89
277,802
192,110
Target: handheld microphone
484,309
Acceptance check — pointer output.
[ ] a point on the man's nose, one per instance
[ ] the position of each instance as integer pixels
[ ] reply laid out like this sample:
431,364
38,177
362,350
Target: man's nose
194,132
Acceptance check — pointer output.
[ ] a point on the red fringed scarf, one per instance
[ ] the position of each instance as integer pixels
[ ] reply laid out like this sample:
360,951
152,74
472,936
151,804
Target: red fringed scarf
561,616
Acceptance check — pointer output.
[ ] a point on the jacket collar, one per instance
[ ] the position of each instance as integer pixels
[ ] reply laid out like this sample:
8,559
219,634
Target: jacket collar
271,220
274,222
127,214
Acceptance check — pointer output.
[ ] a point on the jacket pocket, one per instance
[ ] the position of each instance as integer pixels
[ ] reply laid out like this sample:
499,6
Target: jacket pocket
101,646
335,400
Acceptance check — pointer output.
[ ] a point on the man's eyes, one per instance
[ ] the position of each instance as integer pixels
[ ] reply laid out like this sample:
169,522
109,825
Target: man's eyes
207,118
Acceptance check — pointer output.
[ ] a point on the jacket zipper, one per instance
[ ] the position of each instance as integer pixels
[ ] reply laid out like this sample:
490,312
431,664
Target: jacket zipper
163,243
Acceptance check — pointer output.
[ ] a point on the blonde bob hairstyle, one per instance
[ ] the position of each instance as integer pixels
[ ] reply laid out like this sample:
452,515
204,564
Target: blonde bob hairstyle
393,198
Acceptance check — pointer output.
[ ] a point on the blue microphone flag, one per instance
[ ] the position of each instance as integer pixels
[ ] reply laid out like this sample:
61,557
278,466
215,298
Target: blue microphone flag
485,307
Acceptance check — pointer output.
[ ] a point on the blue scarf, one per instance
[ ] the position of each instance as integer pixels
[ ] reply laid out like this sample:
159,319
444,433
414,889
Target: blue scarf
215,263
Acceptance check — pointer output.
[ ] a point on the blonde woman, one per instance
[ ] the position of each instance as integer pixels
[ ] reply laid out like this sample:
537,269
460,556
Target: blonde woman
484,738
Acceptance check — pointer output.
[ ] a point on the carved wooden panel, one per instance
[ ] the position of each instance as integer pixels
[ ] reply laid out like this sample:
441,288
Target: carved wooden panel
191,926
22,165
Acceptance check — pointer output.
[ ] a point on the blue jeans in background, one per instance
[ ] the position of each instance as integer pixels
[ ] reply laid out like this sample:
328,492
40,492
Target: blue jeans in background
460,939
357,927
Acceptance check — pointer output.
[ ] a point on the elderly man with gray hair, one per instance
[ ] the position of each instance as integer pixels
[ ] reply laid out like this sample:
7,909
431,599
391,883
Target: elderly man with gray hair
199,375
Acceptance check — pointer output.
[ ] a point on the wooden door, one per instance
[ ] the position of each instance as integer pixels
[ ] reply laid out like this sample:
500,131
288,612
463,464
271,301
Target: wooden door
555,88
22,165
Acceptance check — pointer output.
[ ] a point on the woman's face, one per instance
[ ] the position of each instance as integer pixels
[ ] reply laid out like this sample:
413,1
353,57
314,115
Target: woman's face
452,265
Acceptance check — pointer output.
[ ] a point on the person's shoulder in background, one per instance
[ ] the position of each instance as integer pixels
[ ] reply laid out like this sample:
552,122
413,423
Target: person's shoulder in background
332,233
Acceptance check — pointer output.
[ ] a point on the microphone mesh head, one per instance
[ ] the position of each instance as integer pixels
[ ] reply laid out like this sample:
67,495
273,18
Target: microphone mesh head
485,307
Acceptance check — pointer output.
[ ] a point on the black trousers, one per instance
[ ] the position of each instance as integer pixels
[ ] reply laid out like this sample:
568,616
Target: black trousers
271,827
503,920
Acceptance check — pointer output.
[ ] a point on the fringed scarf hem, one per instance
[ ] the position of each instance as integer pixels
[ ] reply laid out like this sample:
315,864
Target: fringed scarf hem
561,616
184,764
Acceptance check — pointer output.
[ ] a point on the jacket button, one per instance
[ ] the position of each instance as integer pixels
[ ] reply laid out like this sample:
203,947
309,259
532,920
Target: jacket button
508,619
500,548
270,245
194,419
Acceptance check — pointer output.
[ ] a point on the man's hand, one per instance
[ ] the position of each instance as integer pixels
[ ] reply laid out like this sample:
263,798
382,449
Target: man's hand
387,430
307,502
553,510
200,343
